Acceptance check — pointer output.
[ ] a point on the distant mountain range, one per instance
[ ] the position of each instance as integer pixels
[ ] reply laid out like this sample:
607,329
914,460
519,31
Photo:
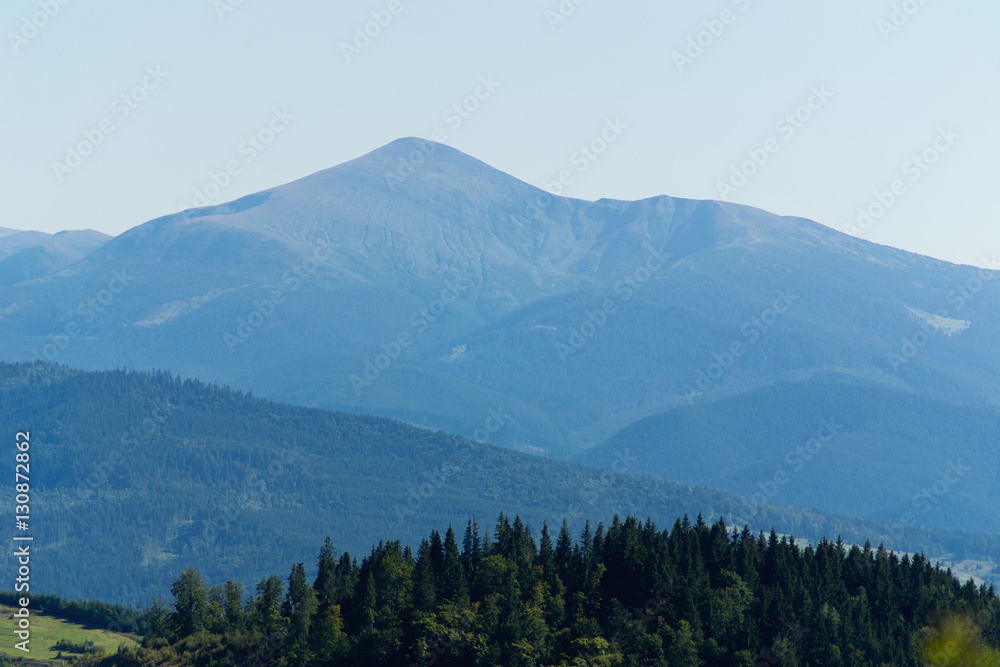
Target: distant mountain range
136,477
861,451
26,256
418,283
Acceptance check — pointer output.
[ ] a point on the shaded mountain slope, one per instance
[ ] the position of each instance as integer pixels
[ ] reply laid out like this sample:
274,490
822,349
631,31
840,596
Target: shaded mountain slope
28,256
135,477
862,451
436,297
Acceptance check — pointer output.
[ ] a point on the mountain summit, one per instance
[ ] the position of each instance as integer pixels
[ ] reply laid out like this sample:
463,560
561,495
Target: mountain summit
420,283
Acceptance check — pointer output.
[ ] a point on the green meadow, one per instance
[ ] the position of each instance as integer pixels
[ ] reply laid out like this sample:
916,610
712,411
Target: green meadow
52,636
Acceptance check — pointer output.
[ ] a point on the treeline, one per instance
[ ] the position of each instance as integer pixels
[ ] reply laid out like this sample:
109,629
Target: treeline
91,613
625,594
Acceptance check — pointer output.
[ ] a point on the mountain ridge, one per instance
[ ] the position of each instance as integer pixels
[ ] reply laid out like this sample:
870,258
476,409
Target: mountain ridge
31,255
139,475
335,268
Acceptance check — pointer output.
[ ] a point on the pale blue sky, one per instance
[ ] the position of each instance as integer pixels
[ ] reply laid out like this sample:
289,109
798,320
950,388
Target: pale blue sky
686,130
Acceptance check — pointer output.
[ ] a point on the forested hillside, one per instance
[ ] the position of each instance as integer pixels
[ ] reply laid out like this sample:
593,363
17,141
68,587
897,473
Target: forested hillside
624,594
912,455
136,476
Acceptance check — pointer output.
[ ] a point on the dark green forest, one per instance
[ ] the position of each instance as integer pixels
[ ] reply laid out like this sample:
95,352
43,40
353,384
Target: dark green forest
91,613
623,594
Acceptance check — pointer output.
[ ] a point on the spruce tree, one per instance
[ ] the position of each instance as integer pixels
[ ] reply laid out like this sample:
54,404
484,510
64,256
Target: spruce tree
190,603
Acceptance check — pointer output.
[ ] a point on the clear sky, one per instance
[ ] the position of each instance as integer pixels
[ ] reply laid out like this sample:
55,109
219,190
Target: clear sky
201,76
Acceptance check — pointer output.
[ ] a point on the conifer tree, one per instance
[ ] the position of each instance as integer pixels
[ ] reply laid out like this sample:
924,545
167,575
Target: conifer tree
190,603
453,586
299,607
267,606
233,594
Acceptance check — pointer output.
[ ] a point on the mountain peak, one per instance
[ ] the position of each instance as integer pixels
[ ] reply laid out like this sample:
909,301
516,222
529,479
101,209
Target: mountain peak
417,151
422,208
411,164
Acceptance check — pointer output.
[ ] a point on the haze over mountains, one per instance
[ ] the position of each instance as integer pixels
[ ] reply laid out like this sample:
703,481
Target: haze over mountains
419,283
137,477
28,256
861,451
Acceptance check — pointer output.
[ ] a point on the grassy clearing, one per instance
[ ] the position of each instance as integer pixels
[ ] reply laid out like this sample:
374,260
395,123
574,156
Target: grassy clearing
47,631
